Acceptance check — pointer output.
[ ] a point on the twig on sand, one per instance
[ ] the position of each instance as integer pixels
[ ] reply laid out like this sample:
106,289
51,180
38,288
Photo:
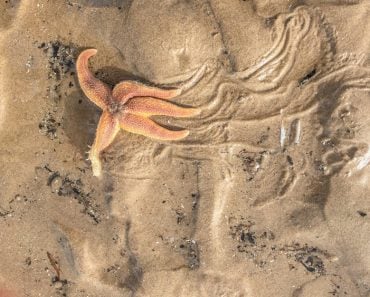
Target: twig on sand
55,265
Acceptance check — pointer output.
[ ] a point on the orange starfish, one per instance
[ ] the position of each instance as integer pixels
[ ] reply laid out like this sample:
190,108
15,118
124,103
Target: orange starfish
128,106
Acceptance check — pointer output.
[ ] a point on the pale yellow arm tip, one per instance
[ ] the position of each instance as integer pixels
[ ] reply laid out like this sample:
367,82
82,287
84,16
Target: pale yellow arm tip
96,165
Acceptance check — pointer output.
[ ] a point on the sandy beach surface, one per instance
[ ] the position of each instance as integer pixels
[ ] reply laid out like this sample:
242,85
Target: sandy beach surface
268,196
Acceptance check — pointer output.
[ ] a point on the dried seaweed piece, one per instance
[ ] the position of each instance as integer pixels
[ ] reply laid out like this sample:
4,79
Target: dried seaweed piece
55,264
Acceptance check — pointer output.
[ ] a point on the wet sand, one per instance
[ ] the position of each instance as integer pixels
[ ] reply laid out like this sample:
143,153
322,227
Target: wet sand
267,196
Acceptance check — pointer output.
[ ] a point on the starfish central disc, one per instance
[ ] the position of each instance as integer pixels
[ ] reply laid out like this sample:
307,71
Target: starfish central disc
128,106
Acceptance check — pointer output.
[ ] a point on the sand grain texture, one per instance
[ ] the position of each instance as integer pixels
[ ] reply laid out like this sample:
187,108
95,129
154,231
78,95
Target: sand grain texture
267,196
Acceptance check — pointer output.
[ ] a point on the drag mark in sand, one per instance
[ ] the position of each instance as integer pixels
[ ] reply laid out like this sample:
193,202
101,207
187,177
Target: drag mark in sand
364,160
222,193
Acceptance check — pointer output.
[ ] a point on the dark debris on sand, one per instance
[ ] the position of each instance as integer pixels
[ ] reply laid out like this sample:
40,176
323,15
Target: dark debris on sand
60,285
250,163
310,257
64,186
48,126
259,246
191,251
61,60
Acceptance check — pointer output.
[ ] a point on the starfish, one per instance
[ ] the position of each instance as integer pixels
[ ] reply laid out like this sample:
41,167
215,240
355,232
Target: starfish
128,106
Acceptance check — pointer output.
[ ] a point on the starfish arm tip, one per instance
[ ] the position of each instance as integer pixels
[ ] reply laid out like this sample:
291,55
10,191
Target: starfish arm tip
148,106
96,165
186,133
90,51
94,89
196,111
85,55
178,135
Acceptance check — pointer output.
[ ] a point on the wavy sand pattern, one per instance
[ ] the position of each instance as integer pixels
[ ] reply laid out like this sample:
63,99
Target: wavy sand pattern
267,196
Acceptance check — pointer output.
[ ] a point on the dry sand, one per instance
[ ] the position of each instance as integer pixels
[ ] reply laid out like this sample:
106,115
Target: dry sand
269,194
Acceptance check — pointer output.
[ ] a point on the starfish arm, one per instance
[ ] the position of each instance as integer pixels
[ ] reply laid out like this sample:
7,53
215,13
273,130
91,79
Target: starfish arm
141,125
126,90
97,91
107,130
148,106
